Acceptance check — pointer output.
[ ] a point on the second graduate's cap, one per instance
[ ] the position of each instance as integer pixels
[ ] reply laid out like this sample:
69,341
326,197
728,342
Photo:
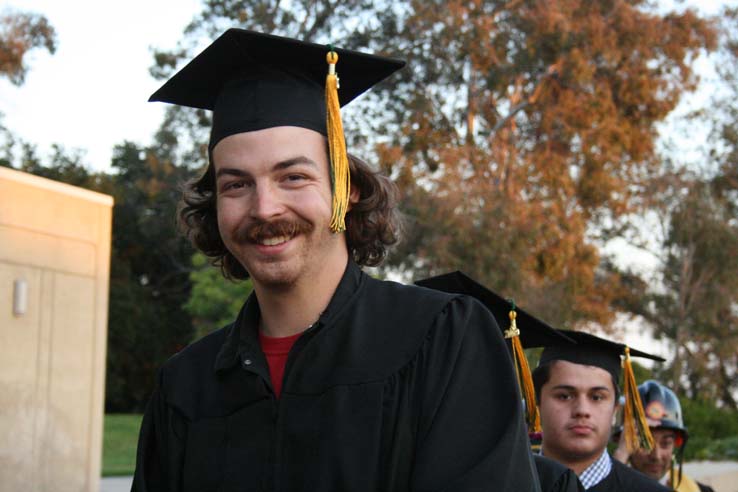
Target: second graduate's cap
254,81
592,350
521,329
533,331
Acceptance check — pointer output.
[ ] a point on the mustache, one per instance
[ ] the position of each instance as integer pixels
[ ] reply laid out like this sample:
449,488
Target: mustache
258,230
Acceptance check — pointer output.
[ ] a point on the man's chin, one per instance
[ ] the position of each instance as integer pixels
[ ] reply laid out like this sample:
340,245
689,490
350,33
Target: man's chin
273,276
653,473
582,452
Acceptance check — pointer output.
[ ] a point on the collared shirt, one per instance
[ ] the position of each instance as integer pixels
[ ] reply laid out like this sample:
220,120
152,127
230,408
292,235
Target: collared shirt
597,471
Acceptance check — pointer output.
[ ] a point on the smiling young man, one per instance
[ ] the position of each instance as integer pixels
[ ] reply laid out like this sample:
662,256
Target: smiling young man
328,380
664,462
577,391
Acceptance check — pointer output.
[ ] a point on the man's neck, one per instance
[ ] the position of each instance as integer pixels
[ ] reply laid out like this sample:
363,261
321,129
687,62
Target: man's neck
577,465
286,311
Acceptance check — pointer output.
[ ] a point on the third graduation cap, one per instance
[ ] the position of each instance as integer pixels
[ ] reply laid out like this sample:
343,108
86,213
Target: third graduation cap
592,350
254,81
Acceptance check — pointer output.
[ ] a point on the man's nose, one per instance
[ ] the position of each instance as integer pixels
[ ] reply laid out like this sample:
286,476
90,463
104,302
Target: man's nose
267,202
581,407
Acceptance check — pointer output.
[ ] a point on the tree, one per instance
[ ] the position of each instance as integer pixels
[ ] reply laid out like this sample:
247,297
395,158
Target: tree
149,274
696,310
519,129
21,32
214,301
692,301
542,134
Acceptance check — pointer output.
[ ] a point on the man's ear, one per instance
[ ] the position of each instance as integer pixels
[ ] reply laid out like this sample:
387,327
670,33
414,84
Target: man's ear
615,411
354,196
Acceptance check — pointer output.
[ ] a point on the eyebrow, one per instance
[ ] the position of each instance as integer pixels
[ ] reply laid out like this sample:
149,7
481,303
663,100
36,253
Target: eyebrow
280,166
573,388
294,161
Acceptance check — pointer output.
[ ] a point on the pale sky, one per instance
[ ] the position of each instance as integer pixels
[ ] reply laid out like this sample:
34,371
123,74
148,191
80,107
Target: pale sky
91,94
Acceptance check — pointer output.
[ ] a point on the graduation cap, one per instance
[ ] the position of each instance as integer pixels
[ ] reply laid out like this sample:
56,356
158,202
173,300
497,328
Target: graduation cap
534,332
612,357
253,81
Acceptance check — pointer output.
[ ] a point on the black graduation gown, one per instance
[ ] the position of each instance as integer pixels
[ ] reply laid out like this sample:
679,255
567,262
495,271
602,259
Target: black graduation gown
555,477
623,478
394,388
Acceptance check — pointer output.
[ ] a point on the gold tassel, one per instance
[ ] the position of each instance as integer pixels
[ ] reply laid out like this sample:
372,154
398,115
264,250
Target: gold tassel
340,175
635,427
525,381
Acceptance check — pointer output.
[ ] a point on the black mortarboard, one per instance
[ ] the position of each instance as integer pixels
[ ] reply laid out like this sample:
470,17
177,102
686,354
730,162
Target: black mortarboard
591,350
253,81
594,351
532,332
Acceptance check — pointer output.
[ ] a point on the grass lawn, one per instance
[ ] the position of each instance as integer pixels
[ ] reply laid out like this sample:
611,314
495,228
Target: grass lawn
120,437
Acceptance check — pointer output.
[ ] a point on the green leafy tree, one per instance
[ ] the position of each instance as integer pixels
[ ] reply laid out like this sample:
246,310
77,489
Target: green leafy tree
713,432
214,301
149,275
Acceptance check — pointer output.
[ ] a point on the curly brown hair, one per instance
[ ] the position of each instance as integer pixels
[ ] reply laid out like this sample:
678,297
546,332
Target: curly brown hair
372,225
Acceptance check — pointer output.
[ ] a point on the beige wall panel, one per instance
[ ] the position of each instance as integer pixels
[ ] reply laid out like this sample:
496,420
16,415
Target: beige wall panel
52,359
97,402
19,338
26,247
72,343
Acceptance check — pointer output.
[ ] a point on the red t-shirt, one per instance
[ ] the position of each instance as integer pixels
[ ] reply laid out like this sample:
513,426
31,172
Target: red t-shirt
276,350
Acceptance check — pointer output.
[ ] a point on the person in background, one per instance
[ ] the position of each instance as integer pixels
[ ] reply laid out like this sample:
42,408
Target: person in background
576,387
328,379
664,462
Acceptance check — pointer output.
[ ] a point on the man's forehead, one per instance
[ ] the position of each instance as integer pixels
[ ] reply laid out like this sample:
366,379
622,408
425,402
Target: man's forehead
279,144
579,375
660,432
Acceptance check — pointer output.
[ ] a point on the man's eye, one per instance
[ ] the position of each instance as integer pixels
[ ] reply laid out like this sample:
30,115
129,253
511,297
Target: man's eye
295,177
562,396
232,185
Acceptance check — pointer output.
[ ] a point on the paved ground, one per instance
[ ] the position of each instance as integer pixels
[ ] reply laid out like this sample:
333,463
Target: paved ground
721,475
116,484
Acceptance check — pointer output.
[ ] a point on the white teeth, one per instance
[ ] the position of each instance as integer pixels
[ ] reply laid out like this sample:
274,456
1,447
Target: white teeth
273,241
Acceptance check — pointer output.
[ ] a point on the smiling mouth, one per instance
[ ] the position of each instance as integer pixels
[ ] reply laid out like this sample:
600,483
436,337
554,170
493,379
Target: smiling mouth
274,241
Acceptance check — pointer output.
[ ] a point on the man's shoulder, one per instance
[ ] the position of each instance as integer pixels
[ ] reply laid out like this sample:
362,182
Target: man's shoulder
399,297
548,470
380,331
391,289
198,355
634,480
